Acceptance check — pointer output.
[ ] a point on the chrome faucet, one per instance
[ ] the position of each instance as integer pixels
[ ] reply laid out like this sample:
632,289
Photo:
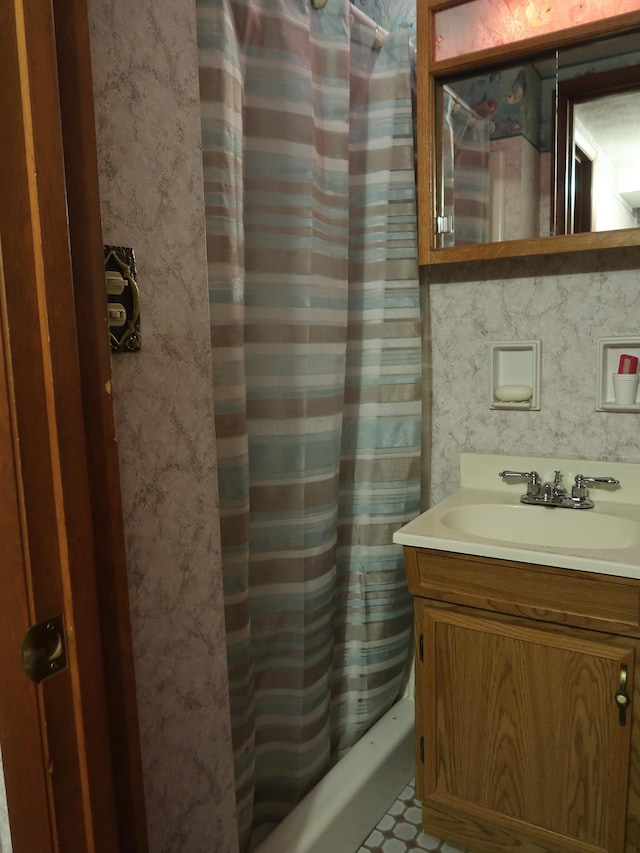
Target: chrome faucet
580,493
553,492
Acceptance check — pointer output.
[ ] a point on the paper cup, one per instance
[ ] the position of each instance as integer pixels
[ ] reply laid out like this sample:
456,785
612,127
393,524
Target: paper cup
625,388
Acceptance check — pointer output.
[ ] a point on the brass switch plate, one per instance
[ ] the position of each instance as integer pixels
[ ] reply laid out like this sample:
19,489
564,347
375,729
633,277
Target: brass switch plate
123,299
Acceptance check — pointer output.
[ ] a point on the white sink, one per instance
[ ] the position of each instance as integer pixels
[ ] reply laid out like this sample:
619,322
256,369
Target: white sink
551,527
485,518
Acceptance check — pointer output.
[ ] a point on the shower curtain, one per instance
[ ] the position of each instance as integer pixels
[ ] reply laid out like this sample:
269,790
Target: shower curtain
315,330
465,171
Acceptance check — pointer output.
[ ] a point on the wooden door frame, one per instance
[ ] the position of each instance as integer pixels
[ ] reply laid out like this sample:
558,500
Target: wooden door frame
57,345
85,231
24,755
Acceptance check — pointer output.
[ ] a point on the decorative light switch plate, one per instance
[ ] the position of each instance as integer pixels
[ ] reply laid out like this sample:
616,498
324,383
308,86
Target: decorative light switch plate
123,299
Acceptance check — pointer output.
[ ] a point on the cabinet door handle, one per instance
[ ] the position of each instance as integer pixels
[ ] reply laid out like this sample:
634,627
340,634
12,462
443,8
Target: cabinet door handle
621,698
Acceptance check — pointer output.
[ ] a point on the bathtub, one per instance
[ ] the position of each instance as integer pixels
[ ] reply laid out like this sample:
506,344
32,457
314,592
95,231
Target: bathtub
345,806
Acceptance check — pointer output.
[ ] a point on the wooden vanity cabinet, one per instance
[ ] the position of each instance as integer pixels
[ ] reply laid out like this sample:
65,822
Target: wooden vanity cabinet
520,742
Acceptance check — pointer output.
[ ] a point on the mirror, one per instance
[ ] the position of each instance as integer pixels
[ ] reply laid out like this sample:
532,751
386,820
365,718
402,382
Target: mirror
545,146
598,112
494,168
606,129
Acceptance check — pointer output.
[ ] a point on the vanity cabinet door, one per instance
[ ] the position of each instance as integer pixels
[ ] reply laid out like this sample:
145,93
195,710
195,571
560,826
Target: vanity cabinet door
520,733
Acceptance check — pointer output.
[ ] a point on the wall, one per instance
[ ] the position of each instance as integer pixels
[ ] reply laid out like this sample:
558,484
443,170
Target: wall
568,303
148,127
609,209
517,164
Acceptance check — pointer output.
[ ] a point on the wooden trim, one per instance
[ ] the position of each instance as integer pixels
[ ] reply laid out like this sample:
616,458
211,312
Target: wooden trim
58,534
623,239
24,755
529,48
425,109
73,536
582,191
632,840
440,5
563,596
20,227
85,230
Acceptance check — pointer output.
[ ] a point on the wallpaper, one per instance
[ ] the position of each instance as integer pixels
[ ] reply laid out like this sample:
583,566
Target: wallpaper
490,23
148,130
519,99
567,302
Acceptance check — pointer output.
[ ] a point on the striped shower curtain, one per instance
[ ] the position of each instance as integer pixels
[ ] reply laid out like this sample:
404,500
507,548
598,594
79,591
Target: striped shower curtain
315,329
465,173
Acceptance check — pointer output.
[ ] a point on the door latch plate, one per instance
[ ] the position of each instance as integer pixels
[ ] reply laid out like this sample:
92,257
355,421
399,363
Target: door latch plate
43,649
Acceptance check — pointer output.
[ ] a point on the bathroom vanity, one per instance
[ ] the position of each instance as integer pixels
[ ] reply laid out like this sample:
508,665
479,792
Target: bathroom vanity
528,663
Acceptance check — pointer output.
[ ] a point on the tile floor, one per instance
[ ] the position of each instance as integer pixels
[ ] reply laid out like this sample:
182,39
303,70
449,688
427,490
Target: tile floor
399,830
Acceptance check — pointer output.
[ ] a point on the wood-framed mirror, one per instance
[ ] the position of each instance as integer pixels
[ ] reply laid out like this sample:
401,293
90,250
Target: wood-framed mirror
497,168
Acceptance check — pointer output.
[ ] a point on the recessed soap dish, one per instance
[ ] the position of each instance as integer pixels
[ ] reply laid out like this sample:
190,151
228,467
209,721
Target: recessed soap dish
609,352
514,363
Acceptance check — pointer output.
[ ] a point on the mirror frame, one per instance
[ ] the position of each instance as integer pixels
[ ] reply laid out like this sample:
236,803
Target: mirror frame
430,72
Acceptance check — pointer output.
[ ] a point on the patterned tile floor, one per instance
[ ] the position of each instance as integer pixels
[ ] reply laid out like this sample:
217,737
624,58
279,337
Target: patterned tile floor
399,830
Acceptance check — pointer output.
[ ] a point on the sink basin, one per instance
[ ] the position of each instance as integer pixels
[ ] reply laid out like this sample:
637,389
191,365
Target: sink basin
544,526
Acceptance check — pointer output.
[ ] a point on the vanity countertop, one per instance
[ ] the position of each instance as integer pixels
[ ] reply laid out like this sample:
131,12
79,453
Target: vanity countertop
483,490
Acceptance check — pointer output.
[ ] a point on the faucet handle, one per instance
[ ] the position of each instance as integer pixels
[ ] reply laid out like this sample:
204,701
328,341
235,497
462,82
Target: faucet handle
558,488
532,478
580,488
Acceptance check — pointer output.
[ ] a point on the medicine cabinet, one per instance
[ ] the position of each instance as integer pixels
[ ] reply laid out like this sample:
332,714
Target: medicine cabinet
528,127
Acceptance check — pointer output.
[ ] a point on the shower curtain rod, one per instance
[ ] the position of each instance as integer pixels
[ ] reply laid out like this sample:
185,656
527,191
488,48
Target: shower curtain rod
356,14
461,103
455,97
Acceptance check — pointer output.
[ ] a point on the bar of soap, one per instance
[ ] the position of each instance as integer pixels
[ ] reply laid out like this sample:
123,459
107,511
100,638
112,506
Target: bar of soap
513,393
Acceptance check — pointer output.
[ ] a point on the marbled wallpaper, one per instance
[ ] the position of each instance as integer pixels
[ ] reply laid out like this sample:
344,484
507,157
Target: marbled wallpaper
491,23
567,302
148,127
